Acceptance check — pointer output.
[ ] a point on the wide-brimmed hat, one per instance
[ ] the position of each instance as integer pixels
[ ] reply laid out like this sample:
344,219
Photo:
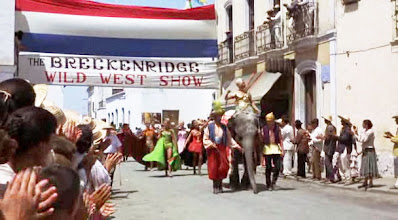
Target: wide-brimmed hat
328,118
58,114
395,116
41,93
88,121
99,132
345,119
71,117
108,127
298,122
98,135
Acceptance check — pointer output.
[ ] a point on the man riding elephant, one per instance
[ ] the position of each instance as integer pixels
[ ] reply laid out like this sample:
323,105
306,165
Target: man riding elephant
244,127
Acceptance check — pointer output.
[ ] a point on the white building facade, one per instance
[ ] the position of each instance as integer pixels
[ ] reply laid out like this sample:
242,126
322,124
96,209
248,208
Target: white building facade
334,58
127,105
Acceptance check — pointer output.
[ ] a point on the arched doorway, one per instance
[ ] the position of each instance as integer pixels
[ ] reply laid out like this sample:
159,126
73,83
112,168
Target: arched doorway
309,79
308,91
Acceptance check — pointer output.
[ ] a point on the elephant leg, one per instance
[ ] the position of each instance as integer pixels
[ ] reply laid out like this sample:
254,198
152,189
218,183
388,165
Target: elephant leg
245,181
234,176
248,143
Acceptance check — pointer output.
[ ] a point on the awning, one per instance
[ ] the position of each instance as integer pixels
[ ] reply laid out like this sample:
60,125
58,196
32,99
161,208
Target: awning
263,84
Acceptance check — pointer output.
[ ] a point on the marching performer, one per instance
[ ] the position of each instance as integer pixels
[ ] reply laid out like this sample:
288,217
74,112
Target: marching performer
166,145
149,134
216,139
196,146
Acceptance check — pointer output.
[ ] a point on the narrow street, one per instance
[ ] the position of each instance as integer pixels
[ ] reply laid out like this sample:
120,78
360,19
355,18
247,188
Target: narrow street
150,195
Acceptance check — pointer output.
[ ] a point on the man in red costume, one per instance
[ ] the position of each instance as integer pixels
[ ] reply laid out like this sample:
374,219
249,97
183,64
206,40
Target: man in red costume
216,140
126,137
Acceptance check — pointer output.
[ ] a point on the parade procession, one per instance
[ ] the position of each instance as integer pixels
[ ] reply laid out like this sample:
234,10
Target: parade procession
198,109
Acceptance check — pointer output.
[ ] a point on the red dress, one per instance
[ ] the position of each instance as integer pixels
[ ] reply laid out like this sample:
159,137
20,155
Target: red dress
217,162
196,145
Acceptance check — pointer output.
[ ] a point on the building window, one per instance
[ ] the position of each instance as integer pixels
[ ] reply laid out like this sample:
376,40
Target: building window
250,4
115,91
128,117
396,19
116,118
102,104
123,115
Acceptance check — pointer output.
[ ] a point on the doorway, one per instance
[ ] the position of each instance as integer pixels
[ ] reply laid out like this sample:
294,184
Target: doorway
309,80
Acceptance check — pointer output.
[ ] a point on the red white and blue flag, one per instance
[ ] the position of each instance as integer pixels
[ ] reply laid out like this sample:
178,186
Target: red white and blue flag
89,28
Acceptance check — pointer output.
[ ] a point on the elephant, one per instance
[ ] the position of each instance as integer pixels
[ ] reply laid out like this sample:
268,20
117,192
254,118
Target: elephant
244,128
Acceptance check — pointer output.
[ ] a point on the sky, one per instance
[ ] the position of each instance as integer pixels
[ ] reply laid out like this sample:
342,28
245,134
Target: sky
75,97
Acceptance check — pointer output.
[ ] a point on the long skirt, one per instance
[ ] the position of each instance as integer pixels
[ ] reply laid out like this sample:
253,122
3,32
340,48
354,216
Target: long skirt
369,163
159,155
217,163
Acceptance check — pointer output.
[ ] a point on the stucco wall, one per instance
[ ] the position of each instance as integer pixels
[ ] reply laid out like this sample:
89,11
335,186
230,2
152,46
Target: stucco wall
367,75
221,20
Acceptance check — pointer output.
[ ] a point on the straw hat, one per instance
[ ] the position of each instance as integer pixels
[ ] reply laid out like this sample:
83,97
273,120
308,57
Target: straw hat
99,124
99,132
106,127
47,102
270,117
345,119
88,121
395,116
71,117
328,118
58,114
41,93
98,135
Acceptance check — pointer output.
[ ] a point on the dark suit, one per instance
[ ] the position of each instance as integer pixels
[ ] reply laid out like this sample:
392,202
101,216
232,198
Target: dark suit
329,149
303,148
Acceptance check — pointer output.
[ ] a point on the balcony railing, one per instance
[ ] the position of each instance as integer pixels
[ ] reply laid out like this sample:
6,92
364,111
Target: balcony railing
225,53
244,46
303,20
269,37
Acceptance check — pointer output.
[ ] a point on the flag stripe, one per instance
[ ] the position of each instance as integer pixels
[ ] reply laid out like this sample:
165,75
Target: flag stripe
90,8
83,45
62,24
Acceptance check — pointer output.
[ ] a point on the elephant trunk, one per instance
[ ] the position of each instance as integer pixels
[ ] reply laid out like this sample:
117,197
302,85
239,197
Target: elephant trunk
248,145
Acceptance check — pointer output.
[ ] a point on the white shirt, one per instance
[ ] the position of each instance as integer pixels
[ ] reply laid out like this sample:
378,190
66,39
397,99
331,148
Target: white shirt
288,137
99,175
317,143
366,138
114,146
6,173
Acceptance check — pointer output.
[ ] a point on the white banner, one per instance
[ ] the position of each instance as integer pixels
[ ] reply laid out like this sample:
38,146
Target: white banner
61,69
